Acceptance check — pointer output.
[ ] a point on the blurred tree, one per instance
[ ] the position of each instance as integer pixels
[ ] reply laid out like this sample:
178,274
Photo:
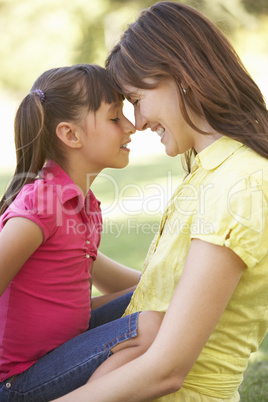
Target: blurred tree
37,35
256,6
34,36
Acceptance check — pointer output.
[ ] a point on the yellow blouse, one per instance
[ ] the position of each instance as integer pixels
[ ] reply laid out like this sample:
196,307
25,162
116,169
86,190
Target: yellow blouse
223,201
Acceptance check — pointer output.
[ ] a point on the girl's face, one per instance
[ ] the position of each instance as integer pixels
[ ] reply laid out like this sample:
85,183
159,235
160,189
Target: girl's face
105,136
159,110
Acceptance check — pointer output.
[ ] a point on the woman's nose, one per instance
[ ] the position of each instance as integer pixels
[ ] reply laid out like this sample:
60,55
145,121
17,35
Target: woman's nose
131,129
140,122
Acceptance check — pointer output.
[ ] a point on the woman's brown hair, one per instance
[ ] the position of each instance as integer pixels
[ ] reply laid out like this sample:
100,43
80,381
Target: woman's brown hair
173,40
59,94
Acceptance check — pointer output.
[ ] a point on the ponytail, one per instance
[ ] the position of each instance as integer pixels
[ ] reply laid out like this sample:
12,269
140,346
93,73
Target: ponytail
30,153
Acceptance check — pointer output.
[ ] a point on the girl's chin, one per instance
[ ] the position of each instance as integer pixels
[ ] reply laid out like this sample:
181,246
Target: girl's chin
123,165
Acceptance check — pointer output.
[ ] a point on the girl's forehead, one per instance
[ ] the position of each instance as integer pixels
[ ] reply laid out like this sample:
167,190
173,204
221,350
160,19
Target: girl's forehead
115,105
109,108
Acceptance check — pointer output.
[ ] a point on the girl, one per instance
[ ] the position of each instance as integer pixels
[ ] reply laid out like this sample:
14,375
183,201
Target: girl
207,266
67,129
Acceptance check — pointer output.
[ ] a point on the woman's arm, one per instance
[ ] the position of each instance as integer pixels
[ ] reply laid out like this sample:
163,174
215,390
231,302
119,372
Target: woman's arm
19,238
109,276
210,276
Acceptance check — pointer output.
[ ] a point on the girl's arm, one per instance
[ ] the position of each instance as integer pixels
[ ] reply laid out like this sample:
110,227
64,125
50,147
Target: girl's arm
19,238
210,276
109,276
98,301
112,279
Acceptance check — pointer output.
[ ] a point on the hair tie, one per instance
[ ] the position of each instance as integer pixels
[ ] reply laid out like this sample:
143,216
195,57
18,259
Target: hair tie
40,94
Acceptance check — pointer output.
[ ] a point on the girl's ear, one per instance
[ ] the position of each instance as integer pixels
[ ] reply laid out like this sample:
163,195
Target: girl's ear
69,135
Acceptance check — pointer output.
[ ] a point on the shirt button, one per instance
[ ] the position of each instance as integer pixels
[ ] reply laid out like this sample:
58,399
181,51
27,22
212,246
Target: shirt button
87,242
87,255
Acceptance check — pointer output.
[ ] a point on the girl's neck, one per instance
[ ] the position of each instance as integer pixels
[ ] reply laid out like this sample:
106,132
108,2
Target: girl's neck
82,178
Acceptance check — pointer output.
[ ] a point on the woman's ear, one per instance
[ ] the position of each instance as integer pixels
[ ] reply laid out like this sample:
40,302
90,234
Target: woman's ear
69,135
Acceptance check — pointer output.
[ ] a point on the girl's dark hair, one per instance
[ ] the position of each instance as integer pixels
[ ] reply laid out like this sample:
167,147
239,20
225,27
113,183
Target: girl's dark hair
173,40
59,94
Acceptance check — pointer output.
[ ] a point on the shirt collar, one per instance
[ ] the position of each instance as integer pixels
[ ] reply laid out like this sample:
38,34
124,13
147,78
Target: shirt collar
215,154
66,188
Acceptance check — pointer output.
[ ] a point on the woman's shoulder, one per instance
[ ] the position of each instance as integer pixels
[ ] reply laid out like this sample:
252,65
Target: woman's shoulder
252,168
245,163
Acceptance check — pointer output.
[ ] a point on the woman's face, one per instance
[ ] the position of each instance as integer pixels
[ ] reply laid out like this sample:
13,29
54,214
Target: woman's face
159,110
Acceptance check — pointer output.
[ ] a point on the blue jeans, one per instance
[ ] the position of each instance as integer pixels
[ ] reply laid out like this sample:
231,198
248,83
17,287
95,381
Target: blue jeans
70,365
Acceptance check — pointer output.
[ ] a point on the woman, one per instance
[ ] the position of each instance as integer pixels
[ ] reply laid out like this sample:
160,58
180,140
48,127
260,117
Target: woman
207,266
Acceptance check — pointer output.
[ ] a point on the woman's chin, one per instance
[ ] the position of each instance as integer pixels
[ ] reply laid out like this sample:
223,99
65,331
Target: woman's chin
171,152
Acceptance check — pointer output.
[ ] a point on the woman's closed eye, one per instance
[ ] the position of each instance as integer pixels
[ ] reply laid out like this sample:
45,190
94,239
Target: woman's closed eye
115,119
132,100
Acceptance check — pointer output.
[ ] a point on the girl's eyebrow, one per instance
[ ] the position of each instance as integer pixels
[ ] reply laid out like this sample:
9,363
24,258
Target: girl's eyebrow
115,105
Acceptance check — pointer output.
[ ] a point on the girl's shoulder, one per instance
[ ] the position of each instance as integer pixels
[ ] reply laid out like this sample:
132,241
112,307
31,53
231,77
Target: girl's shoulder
33,196
37,201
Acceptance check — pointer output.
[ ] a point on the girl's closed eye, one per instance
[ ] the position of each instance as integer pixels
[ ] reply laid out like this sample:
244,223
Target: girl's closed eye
115,119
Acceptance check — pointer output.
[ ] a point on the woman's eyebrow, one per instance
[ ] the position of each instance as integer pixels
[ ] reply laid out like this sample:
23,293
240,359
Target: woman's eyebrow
129,95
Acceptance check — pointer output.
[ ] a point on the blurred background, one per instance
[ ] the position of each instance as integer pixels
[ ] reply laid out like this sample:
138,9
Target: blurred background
40,34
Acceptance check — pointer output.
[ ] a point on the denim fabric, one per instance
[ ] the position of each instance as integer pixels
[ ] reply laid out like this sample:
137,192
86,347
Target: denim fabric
70,365
110,311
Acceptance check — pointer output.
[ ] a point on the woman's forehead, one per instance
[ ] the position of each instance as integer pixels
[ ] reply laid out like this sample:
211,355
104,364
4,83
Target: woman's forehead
129,90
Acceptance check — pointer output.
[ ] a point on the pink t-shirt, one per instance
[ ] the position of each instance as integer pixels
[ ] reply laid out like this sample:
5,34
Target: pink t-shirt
48,301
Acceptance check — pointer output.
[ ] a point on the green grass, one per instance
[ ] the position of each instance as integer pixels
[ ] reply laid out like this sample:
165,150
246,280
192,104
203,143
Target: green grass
254,388
154,179
4,180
